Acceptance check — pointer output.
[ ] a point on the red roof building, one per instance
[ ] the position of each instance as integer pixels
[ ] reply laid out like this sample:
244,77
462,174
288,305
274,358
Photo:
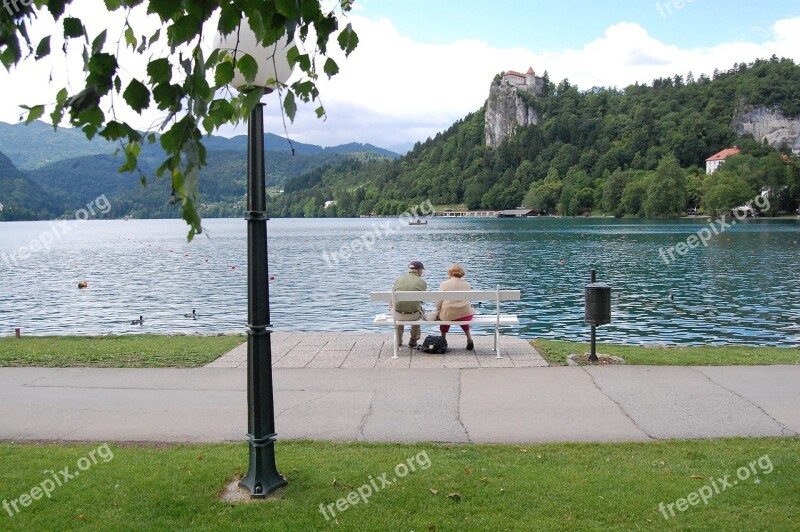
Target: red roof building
715,161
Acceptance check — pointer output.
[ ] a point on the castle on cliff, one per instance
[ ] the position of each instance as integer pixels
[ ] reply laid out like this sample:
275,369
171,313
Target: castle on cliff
507,108
528,82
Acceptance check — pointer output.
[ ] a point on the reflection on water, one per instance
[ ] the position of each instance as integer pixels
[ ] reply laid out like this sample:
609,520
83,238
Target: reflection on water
743,288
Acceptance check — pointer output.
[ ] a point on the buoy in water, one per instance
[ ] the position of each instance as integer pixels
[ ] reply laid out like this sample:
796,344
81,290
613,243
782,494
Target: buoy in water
83,284
271,277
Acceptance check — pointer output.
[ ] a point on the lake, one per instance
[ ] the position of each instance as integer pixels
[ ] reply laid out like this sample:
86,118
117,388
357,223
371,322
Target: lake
742,287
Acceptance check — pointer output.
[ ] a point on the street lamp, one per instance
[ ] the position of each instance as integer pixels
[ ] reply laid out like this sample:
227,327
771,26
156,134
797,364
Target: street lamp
262,475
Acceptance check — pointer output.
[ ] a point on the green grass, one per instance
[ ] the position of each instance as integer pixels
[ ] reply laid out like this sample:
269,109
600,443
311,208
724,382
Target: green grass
556,353
127,351
541,487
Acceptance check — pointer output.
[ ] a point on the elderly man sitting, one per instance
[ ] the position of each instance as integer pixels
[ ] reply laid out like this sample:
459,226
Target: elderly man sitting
410,310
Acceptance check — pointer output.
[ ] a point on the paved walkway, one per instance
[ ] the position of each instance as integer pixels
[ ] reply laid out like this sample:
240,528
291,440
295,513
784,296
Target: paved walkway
359,398
371,350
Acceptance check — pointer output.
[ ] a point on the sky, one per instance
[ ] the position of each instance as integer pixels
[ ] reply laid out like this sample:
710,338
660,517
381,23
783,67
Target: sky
422,65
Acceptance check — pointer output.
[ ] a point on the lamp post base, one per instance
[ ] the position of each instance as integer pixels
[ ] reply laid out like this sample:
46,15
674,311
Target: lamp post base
263,477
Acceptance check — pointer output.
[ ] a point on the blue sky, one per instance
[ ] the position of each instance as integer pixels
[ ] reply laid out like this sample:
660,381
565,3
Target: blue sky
422,65
553,25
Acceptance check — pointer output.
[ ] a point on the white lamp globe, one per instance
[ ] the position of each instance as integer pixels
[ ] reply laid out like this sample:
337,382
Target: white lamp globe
272,63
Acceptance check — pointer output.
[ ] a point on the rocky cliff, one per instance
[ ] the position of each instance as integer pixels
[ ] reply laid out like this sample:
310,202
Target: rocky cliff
505,111
767,123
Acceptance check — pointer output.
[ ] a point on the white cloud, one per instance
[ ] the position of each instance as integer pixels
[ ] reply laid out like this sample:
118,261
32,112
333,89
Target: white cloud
627,54
392,87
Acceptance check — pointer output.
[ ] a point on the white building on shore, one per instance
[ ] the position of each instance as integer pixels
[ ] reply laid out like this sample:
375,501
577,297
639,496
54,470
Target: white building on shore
715,161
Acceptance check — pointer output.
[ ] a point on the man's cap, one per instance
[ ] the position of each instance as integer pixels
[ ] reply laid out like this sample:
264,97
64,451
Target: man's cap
415,265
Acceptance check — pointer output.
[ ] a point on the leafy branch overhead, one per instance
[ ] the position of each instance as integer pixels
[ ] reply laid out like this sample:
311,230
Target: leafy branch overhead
181,80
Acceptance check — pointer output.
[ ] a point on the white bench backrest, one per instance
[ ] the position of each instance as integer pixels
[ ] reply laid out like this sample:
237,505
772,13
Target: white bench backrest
467,295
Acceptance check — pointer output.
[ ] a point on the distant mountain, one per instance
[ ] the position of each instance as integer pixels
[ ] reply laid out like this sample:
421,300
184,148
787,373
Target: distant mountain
47,173
356,147
272,142
21,198
37,145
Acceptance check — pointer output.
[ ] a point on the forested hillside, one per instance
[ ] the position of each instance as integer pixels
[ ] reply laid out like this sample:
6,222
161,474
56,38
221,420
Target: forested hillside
21,198
638,151
80,171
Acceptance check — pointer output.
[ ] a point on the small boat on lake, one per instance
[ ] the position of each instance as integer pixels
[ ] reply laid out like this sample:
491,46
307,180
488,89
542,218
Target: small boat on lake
418,222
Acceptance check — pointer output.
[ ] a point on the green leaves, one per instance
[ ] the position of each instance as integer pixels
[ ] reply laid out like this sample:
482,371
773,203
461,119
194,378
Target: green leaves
168,96
192,106
119,130
132,151
166,9
248,67
223,74
130,38
183,30
137,96
289,105
160,71
99,42
331,68
102,68
33,112
73,27
229,20
348,40
250,100
220,112
43,49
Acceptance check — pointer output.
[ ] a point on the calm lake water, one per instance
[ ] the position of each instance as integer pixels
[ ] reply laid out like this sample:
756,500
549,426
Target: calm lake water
743,288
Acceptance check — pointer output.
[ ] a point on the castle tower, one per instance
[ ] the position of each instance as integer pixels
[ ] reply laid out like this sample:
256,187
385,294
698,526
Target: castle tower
530,77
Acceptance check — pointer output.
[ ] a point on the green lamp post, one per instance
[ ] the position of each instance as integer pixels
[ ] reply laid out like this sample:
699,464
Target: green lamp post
262,476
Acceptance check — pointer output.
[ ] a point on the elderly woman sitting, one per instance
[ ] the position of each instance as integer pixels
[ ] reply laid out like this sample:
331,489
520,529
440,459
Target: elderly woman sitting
455,310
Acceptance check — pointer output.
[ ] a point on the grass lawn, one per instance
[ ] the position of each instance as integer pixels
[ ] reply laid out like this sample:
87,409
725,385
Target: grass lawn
454,487
126,351
556,353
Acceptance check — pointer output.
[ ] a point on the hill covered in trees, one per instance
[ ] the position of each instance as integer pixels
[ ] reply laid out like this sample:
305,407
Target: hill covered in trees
45,173
636,151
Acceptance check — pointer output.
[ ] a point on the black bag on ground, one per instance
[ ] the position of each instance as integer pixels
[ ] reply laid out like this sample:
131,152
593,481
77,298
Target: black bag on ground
434,344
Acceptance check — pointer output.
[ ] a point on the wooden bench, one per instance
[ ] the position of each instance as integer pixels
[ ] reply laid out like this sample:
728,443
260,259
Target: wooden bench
495,320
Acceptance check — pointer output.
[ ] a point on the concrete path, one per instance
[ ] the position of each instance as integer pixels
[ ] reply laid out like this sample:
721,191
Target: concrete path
481,405
374,350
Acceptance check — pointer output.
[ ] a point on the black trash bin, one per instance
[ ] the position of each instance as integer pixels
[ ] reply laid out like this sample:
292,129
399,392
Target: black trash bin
597,298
